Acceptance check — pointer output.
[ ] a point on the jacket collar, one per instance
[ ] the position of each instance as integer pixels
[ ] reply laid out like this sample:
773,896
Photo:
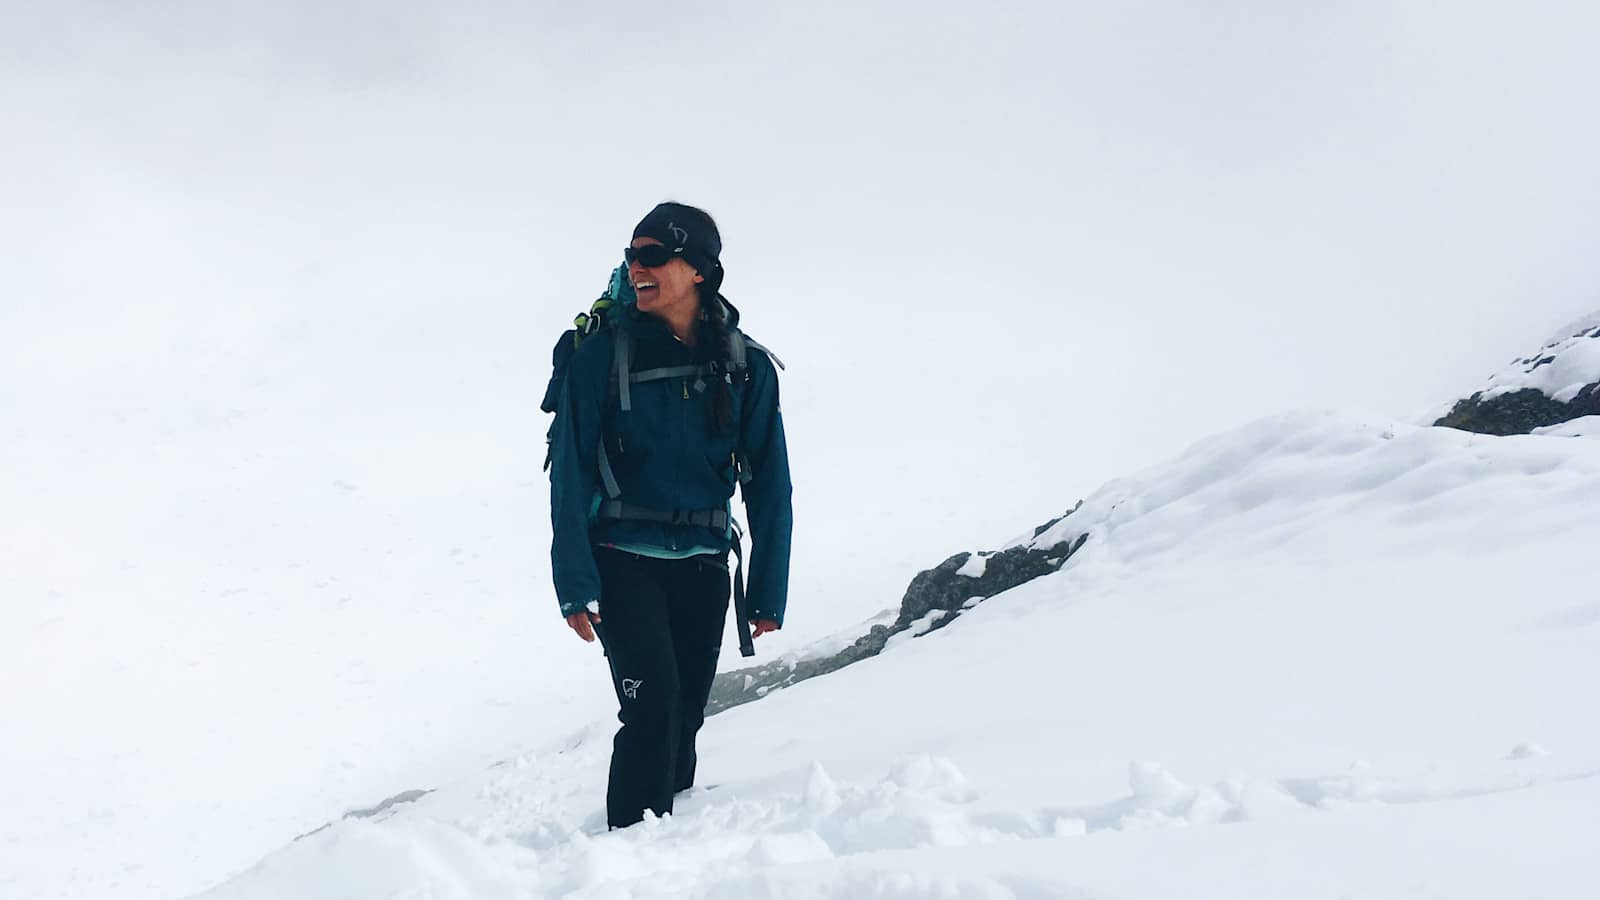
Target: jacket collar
644,326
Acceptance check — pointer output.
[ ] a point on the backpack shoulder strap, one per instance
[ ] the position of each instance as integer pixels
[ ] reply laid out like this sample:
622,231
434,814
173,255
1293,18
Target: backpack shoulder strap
741,355
622,354
739,361
624,359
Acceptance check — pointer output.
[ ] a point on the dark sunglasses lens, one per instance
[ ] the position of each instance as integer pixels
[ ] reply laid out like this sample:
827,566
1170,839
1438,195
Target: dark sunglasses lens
651,255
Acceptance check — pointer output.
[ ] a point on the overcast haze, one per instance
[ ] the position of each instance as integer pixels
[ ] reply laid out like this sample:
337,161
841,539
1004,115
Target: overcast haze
281,283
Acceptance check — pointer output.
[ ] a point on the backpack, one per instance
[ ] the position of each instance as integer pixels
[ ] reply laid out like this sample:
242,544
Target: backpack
619,293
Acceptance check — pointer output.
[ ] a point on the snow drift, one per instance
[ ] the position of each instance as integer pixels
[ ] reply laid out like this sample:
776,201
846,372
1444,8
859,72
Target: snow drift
1316,656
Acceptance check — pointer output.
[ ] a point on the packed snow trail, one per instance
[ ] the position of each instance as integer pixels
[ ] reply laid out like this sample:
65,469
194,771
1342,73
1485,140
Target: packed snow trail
1315,657
918,831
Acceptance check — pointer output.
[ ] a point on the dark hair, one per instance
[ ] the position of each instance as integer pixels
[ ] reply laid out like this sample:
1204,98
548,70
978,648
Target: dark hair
713,343
713,336
701,241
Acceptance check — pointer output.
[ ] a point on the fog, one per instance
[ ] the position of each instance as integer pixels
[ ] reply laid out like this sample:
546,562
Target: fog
281,284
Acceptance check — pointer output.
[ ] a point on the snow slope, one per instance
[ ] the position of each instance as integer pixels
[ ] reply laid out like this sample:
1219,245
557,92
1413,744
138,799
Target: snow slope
1584,426
1319,656
1565,364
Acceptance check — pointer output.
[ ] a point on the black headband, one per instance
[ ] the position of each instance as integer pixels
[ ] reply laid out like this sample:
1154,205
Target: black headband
679,226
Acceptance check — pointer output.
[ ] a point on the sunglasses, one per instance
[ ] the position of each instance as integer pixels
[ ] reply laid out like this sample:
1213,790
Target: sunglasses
651,255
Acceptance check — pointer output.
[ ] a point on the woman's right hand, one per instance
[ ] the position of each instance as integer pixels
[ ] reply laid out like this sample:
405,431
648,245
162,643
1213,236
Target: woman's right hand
581,623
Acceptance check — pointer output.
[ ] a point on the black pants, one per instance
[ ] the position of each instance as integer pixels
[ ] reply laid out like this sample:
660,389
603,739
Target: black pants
661,624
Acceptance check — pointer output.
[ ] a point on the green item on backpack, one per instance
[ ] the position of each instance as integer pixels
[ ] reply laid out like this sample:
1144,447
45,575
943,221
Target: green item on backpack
618,293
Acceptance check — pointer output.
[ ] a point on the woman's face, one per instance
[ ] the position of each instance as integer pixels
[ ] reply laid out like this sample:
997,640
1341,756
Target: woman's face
664,288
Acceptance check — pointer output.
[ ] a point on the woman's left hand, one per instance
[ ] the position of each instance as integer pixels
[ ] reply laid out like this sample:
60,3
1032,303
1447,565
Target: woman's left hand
758,627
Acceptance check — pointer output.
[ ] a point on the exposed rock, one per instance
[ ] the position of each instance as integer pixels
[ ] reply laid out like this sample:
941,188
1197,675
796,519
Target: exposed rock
951,588
411,796
1519,412
1559,383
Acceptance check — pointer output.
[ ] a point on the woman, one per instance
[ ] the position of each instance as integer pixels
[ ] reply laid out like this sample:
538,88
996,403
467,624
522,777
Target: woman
657,422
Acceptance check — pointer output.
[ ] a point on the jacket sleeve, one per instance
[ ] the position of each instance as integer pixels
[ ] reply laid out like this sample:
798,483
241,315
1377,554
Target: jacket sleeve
574,475
767,494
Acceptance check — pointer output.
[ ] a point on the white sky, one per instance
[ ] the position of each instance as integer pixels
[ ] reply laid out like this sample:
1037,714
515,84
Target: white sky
281,280
1041,242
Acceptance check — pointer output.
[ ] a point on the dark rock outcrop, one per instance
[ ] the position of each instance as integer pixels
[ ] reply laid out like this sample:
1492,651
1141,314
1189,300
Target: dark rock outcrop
1519,412
386,806
934,599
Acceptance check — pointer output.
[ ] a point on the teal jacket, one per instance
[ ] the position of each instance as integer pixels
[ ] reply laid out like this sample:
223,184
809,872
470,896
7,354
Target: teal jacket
666,455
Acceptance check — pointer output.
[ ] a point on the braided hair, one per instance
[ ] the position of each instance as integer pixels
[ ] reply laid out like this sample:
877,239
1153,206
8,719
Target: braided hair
697,237
714,343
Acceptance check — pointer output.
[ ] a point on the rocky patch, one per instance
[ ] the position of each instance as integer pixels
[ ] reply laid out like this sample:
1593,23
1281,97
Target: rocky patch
934,599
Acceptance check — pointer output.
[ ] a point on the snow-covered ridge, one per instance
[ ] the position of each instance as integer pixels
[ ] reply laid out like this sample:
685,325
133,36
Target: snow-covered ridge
1558,383
1223,463
1565,365
1369,636
1585,427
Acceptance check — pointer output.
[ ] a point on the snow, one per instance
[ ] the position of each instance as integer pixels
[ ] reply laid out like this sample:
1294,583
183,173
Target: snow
1317,656
274,543
1584,426
921,626
1580,325
1564,365
975,566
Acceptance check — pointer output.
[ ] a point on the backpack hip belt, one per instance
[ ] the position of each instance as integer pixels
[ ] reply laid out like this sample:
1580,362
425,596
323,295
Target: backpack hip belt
704,518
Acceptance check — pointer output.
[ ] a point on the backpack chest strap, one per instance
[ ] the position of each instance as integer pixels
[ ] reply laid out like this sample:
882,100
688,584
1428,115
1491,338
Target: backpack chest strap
666,372
626,378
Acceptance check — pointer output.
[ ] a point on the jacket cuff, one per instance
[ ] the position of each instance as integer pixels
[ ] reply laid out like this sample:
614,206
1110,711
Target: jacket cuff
572,609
